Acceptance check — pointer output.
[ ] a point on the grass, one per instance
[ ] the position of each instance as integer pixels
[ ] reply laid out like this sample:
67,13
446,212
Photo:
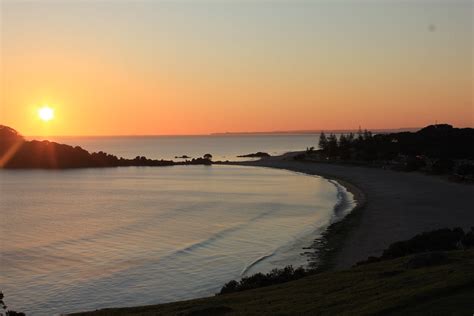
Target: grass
383,288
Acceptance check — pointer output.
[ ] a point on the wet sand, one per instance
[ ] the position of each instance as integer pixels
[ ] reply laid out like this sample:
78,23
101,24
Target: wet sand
393,205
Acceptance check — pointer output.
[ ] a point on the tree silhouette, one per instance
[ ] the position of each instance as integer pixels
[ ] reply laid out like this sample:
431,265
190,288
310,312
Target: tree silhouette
437,148
2,303
4,307
323,141
332,145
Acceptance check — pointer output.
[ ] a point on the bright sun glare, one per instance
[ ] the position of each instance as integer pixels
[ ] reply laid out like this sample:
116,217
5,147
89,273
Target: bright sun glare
46,113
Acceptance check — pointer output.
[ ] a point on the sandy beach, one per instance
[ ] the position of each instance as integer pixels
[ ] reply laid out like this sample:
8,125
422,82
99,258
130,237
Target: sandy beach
394,205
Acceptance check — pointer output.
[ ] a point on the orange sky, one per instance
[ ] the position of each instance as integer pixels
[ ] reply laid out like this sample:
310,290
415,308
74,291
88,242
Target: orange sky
162,68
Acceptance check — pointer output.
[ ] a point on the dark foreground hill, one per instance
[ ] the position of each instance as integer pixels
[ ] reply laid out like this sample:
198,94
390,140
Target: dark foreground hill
18,153
393,287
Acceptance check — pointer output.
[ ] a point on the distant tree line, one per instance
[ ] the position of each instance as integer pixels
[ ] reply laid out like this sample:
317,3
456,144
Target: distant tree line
16,152
435,147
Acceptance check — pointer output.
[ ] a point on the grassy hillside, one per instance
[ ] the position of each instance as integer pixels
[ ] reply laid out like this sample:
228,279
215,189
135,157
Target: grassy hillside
385,288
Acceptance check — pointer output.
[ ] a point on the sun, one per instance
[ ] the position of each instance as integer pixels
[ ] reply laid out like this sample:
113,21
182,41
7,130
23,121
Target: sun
46,113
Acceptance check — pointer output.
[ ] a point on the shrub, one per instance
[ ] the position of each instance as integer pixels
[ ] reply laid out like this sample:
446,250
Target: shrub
443,166
414,163
4,307
426,260
229,287
276,276
301,156
468,240
441,239
465,169
434,241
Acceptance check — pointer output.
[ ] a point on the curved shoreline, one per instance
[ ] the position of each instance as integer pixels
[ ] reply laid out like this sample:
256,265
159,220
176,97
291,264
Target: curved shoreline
324,249
401,205
391,206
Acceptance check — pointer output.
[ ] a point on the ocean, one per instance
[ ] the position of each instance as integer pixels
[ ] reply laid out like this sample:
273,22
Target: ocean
222,147
74,240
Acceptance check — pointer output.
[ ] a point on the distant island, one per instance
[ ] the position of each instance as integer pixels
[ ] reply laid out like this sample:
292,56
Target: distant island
310,132
255,155
18,153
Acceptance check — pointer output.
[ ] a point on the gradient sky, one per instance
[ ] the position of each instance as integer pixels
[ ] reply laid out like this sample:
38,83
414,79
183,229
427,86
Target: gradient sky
194,67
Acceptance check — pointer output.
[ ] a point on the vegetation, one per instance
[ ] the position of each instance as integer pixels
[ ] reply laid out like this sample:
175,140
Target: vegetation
5,307
437,240
439,149
391,287
430,273
16,152
276,276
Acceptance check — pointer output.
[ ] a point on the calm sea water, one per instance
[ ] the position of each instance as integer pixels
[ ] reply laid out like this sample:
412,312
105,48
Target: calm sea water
226,147
76,240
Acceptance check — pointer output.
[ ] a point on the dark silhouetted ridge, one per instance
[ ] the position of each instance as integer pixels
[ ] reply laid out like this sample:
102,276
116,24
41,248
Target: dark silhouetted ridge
16,152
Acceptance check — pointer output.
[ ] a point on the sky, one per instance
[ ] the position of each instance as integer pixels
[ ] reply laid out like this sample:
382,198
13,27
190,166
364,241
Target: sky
197,67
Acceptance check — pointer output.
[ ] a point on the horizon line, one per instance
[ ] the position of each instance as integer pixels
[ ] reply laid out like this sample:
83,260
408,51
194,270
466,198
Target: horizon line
241,133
